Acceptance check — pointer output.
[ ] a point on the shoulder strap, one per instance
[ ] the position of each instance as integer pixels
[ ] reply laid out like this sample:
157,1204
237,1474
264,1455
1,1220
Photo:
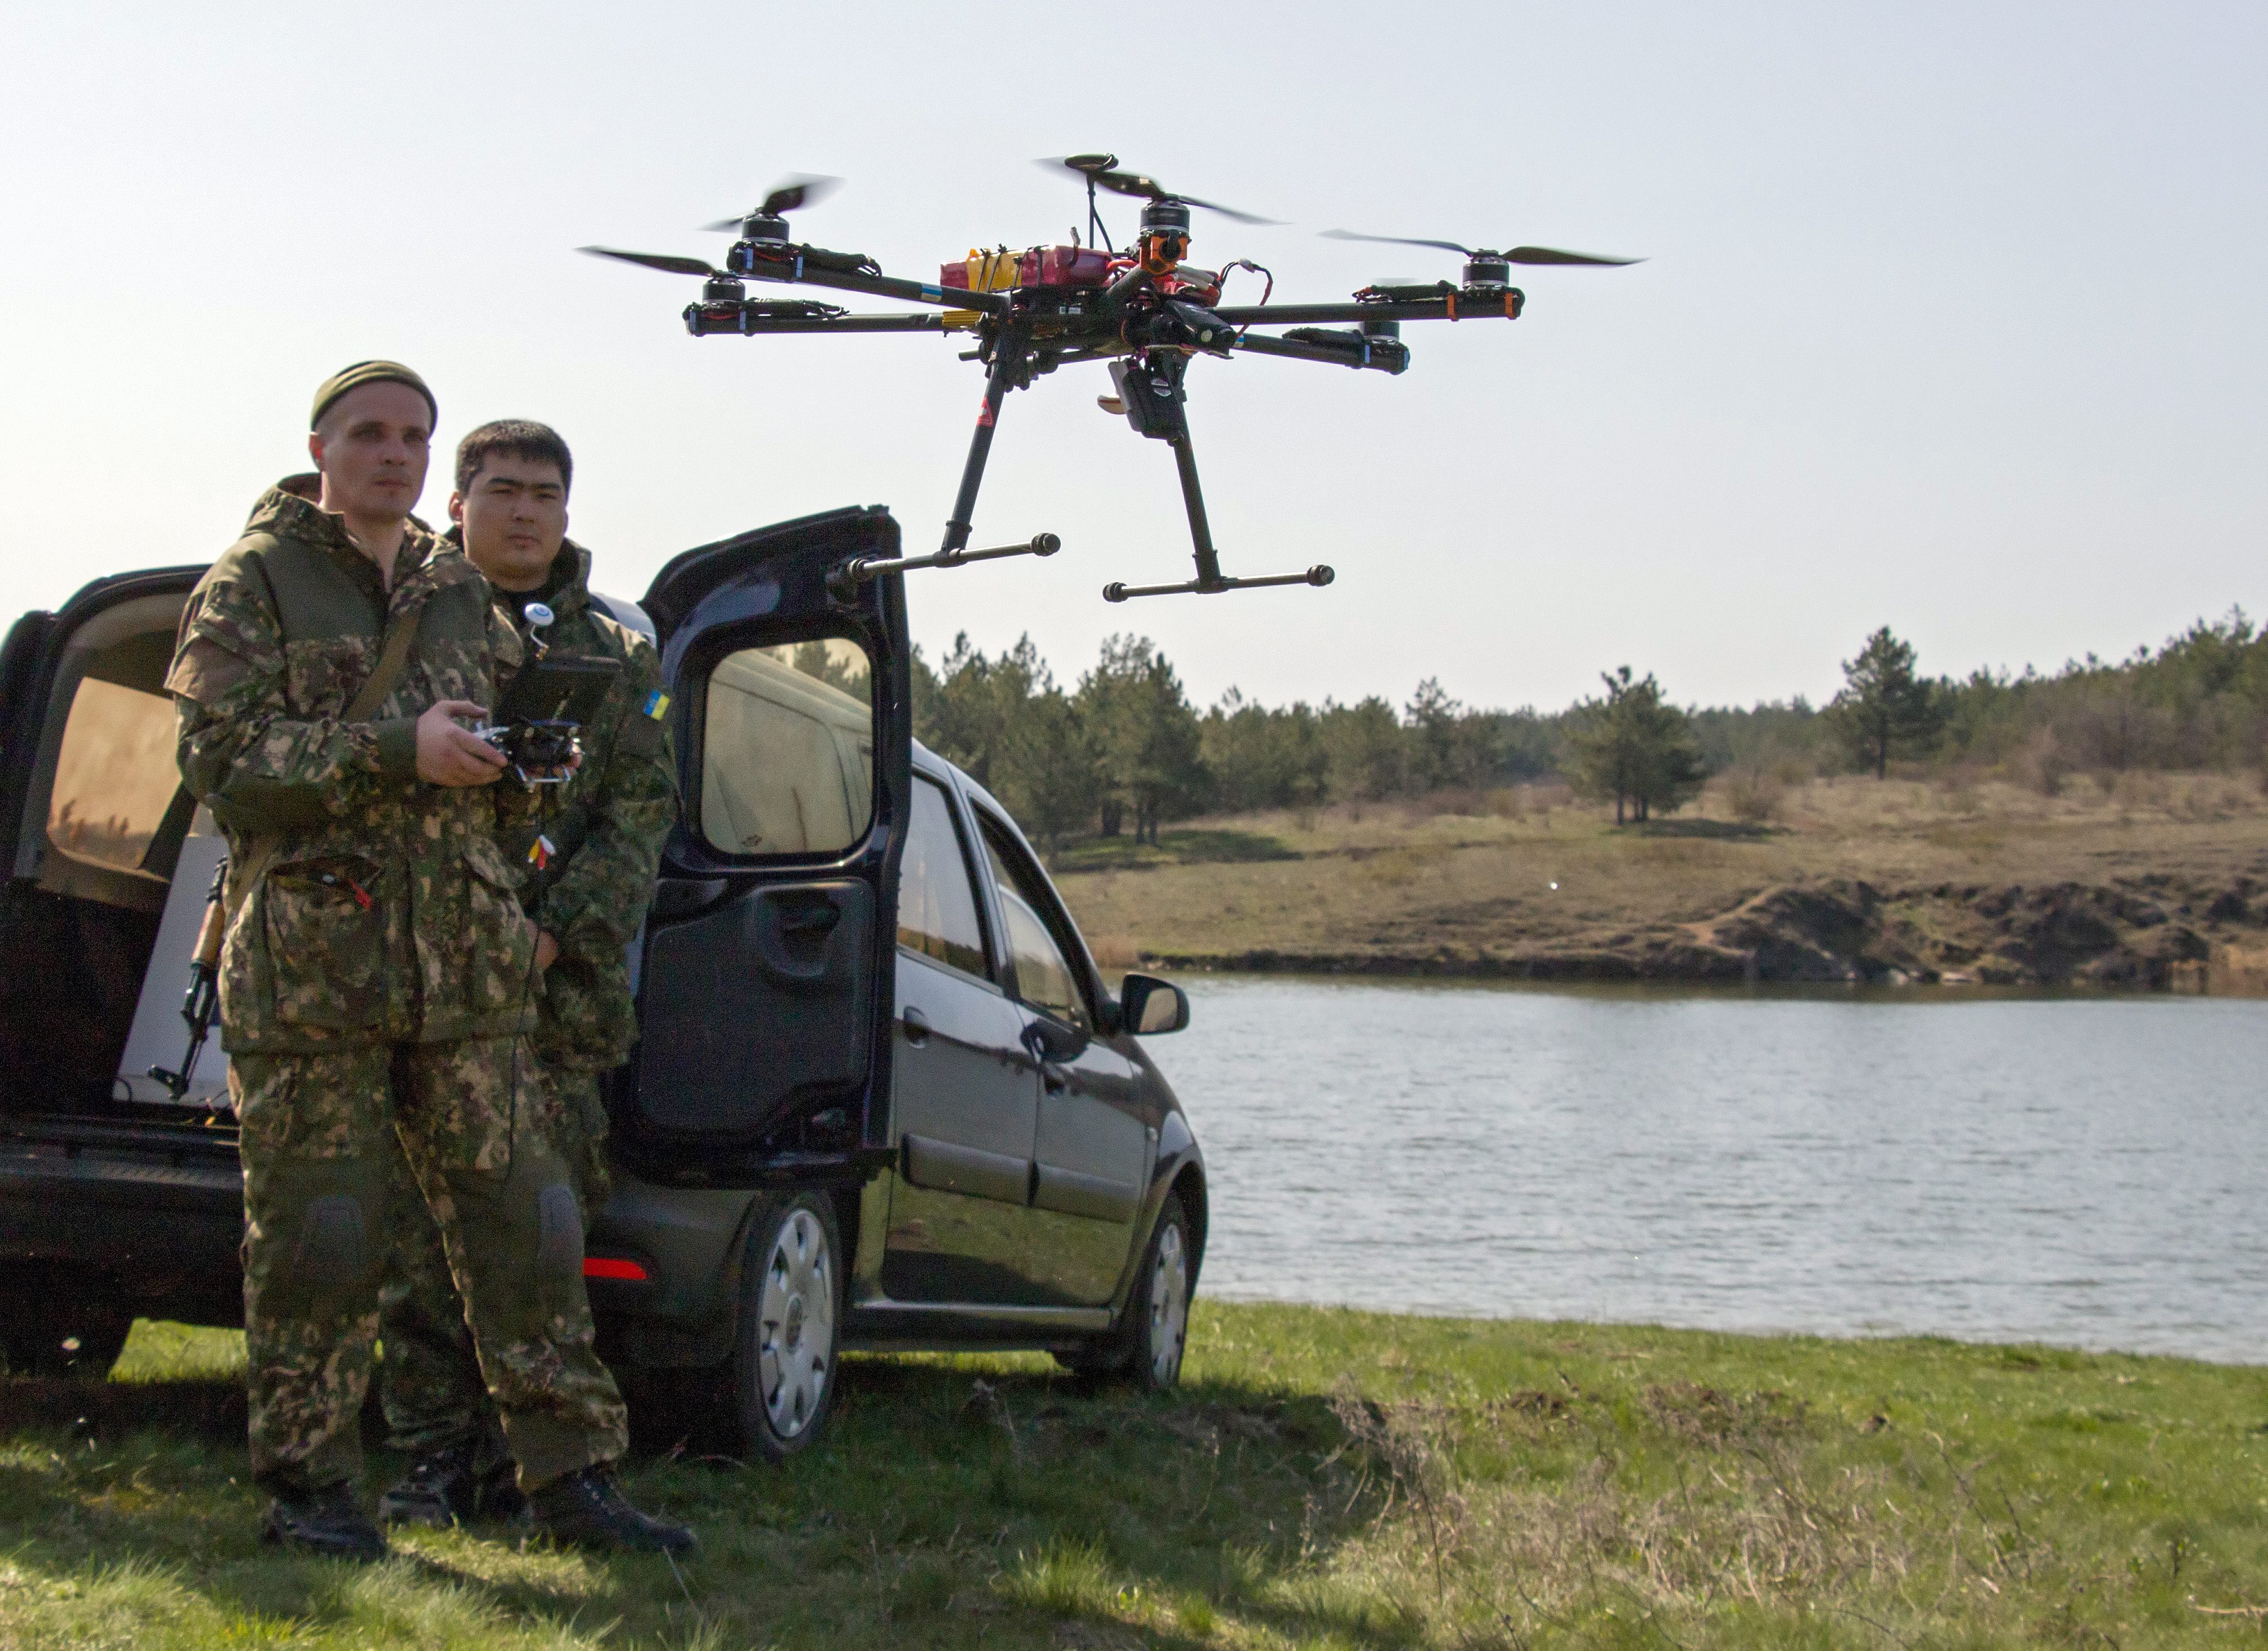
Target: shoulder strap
392,659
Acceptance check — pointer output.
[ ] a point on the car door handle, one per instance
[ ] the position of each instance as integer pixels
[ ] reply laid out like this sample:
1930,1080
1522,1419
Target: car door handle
917,1025
811,920
1054,1079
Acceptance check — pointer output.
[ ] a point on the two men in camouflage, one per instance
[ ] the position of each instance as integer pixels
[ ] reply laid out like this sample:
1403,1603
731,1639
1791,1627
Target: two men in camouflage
587,870
375,976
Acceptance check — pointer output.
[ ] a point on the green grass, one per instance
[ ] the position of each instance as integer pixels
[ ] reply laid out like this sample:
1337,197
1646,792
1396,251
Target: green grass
1186,845
1325,1478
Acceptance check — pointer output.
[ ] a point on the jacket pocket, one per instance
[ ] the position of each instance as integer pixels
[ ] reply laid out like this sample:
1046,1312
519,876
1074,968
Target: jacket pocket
319,928
500,975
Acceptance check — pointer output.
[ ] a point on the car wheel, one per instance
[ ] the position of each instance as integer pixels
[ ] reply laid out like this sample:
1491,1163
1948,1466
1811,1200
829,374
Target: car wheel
783,1369
1146,1349
63,1330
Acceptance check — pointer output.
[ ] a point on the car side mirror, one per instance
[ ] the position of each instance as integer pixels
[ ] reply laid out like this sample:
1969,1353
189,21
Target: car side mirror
1148,1006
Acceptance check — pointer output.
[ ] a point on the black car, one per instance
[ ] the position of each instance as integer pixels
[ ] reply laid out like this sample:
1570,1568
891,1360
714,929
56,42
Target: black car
882,1099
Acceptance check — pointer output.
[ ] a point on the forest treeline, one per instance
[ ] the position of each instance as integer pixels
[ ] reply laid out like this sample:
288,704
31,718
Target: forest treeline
1122,748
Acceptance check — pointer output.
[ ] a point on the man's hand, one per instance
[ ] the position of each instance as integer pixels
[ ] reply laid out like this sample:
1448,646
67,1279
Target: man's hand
547,951
451,754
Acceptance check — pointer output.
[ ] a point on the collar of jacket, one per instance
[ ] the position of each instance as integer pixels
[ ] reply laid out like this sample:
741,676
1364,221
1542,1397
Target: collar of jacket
566,587
289,511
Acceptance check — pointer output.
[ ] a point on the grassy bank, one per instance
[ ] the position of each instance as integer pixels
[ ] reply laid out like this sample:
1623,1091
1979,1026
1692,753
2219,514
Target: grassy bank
1530,874
1326,1478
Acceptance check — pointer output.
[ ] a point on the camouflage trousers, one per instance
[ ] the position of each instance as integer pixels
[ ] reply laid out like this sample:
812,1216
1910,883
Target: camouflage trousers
429,1380
321,1137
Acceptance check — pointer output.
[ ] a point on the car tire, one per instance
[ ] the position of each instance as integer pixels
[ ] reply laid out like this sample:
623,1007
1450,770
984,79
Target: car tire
60,1327
1145,1351
782,1374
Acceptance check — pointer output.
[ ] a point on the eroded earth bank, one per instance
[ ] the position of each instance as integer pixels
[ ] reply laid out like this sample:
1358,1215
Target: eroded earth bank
2152,882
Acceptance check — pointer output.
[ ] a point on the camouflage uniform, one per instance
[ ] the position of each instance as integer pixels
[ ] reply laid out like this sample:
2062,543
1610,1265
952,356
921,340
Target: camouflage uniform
606,829
373,982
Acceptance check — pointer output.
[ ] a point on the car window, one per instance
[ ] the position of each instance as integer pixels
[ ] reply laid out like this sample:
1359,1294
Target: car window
1040,955
937,898
787,750
115,779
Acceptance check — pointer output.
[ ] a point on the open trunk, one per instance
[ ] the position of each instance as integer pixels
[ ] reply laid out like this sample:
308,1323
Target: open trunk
109,862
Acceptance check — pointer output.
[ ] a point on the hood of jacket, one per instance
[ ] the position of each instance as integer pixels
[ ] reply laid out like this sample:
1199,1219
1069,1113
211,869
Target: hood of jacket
289,511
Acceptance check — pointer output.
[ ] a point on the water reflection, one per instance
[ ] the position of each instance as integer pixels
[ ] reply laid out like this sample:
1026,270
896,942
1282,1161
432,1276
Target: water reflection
2082,1171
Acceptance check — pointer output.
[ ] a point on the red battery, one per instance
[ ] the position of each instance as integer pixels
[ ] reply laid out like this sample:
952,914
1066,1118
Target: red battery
1064,266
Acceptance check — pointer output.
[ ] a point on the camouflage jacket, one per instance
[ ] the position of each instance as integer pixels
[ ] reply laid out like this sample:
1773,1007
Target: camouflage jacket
387,911
590,889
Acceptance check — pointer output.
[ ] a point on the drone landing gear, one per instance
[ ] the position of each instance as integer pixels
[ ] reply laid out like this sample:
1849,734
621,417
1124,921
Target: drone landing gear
1150,390
1150,394
1044,544
1210,581
1010,367
1007,354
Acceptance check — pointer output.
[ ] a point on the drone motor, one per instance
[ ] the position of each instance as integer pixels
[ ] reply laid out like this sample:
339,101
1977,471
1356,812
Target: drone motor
765,229
1165,238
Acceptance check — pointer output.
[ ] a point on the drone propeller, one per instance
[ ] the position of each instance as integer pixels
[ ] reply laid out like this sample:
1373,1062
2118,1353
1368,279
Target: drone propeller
1100,170
792,194
1518,254
669,264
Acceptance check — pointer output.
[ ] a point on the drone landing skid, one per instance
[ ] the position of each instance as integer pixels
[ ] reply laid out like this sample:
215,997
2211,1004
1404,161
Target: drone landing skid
864,568
1119,592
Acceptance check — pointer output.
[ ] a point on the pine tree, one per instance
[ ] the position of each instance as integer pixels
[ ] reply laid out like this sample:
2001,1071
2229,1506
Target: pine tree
1259,758
1437,752
1884,708
1634,747
1146,737
1363,747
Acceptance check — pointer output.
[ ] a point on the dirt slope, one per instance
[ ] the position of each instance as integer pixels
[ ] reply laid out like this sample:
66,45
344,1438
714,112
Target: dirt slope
2135,886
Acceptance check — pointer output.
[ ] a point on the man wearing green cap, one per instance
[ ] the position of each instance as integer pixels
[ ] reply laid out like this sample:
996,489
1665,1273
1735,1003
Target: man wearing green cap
377,974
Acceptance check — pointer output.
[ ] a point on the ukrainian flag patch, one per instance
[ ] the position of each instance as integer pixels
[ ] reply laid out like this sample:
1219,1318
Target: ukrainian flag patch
657,705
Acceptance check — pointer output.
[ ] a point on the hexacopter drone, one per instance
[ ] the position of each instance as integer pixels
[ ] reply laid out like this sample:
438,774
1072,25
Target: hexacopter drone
1144,310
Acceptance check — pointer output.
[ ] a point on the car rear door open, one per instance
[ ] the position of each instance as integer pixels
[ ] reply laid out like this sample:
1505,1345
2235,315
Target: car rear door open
765,969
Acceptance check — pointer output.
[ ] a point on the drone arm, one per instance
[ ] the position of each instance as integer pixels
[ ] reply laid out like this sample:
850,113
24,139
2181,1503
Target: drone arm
1472,303
788,265
851,324
748,320
1357,350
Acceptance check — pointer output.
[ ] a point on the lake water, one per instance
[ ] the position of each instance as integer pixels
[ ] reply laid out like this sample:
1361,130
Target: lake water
2087,1172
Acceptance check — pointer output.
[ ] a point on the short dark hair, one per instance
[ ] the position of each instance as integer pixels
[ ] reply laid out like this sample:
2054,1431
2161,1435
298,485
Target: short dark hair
513,438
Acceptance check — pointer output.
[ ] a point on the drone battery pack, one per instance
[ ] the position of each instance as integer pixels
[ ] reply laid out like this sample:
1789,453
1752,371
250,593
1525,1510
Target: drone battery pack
1064,266
982,271
560,690
1035,267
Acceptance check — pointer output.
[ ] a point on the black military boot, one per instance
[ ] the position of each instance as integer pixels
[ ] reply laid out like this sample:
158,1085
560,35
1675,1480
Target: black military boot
440,1490
496,1493
329,1521
588,1510
453,1486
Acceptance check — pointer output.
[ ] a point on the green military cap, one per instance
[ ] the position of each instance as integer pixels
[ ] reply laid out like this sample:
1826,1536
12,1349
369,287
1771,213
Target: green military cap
368,372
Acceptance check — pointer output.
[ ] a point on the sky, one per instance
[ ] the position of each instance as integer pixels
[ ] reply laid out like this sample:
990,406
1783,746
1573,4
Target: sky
1949,319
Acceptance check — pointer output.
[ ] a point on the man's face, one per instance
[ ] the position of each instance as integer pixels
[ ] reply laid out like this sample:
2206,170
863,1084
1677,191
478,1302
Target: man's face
371,448
514,515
